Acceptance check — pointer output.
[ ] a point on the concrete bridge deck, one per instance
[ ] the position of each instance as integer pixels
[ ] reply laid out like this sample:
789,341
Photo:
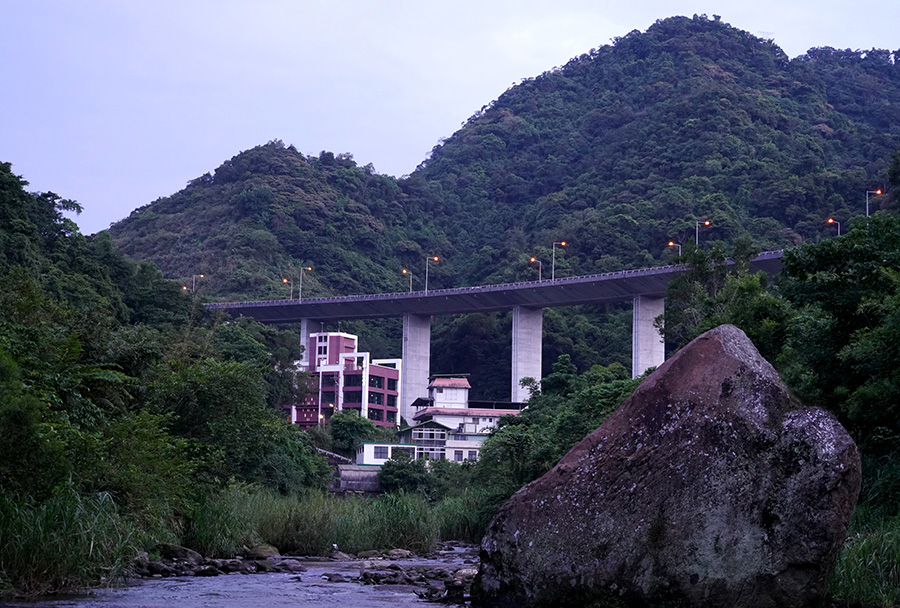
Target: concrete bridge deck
618,286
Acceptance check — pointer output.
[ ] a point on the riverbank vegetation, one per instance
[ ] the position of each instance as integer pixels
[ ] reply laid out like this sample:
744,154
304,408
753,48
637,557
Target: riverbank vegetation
122,406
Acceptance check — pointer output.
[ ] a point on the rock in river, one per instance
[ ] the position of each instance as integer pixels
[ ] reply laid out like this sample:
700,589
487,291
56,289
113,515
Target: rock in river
710,486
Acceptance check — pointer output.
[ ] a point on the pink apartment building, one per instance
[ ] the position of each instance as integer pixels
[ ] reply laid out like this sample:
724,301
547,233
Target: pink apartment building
345,379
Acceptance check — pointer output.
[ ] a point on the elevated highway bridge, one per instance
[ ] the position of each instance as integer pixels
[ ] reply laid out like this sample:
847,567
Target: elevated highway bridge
645,287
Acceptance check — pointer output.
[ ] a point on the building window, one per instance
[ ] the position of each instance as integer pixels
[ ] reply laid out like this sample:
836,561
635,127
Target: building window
392,384
392,400
352,379
390,417
376,398
473,455
458,455
374,415
322,350
381,452
396,452
352,397
322,338
376,382
431,453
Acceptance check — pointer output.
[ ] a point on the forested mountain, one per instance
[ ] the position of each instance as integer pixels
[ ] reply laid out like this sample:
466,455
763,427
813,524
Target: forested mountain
617,152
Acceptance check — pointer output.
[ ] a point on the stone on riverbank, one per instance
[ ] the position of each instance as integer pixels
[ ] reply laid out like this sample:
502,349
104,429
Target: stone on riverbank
177,552
261,551
711,486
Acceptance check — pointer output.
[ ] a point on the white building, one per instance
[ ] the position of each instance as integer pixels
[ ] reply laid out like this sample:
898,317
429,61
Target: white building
445,425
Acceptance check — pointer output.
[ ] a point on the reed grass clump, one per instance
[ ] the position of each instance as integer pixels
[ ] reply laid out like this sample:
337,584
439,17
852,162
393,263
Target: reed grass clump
67,541
867,572
464,516
311,523
223,523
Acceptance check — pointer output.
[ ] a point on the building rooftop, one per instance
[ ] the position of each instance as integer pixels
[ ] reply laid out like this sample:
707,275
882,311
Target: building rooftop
449,383
462,411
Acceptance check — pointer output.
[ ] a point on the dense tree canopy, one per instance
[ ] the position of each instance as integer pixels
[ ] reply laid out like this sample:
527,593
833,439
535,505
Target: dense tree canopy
112,380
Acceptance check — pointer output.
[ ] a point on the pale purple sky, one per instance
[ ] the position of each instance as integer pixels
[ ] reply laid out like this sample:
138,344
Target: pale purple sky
115,103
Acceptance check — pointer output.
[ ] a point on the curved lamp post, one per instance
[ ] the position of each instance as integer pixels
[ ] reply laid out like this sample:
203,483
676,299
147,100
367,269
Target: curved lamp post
193,283
405,271
431,258
300,287
697,233
831,220
674,244
553,265
540,267
868,192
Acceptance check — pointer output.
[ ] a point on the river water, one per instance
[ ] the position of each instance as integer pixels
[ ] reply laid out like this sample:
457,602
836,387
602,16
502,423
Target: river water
308,588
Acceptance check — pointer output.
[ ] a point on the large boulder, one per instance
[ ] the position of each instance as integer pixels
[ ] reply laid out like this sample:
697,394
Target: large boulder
710,486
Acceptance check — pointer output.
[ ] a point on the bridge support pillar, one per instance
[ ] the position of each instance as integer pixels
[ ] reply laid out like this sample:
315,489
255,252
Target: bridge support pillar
648,348
307,326
527,335
416,361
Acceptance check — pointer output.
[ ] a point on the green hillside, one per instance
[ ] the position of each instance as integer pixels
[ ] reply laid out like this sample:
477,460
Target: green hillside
619,151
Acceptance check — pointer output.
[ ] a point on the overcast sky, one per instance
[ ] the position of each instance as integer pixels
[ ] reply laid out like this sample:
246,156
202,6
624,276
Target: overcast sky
117,103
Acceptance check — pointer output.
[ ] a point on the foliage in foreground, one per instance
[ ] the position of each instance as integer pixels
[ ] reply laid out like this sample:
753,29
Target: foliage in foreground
311,523
67,541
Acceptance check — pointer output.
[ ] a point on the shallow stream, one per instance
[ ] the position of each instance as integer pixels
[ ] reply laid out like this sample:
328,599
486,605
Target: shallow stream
273,590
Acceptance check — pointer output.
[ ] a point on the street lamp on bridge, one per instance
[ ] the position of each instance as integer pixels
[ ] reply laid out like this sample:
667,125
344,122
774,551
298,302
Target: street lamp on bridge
405,271
868,192
831,220
300,287
674,244
697,233
431,258
553,265
193,283
540,267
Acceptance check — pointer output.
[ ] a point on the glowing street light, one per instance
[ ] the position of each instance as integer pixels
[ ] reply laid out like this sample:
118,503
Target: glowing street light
405,271
287,281
300,288
540,267
553,266
674,244
193,283
868,192
431,258
831,220
697,233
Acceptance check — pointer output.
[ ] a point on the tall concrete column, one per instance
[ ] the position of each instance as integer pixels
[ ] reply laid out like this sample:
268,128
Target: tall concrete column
647,346
527,340
416,361
308,326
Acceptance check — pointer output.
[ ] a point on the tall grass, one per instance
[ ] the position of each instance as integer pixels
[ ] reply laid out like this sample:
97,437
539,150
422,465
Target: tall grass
465,516
867,572
311,523
67,541
223,523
